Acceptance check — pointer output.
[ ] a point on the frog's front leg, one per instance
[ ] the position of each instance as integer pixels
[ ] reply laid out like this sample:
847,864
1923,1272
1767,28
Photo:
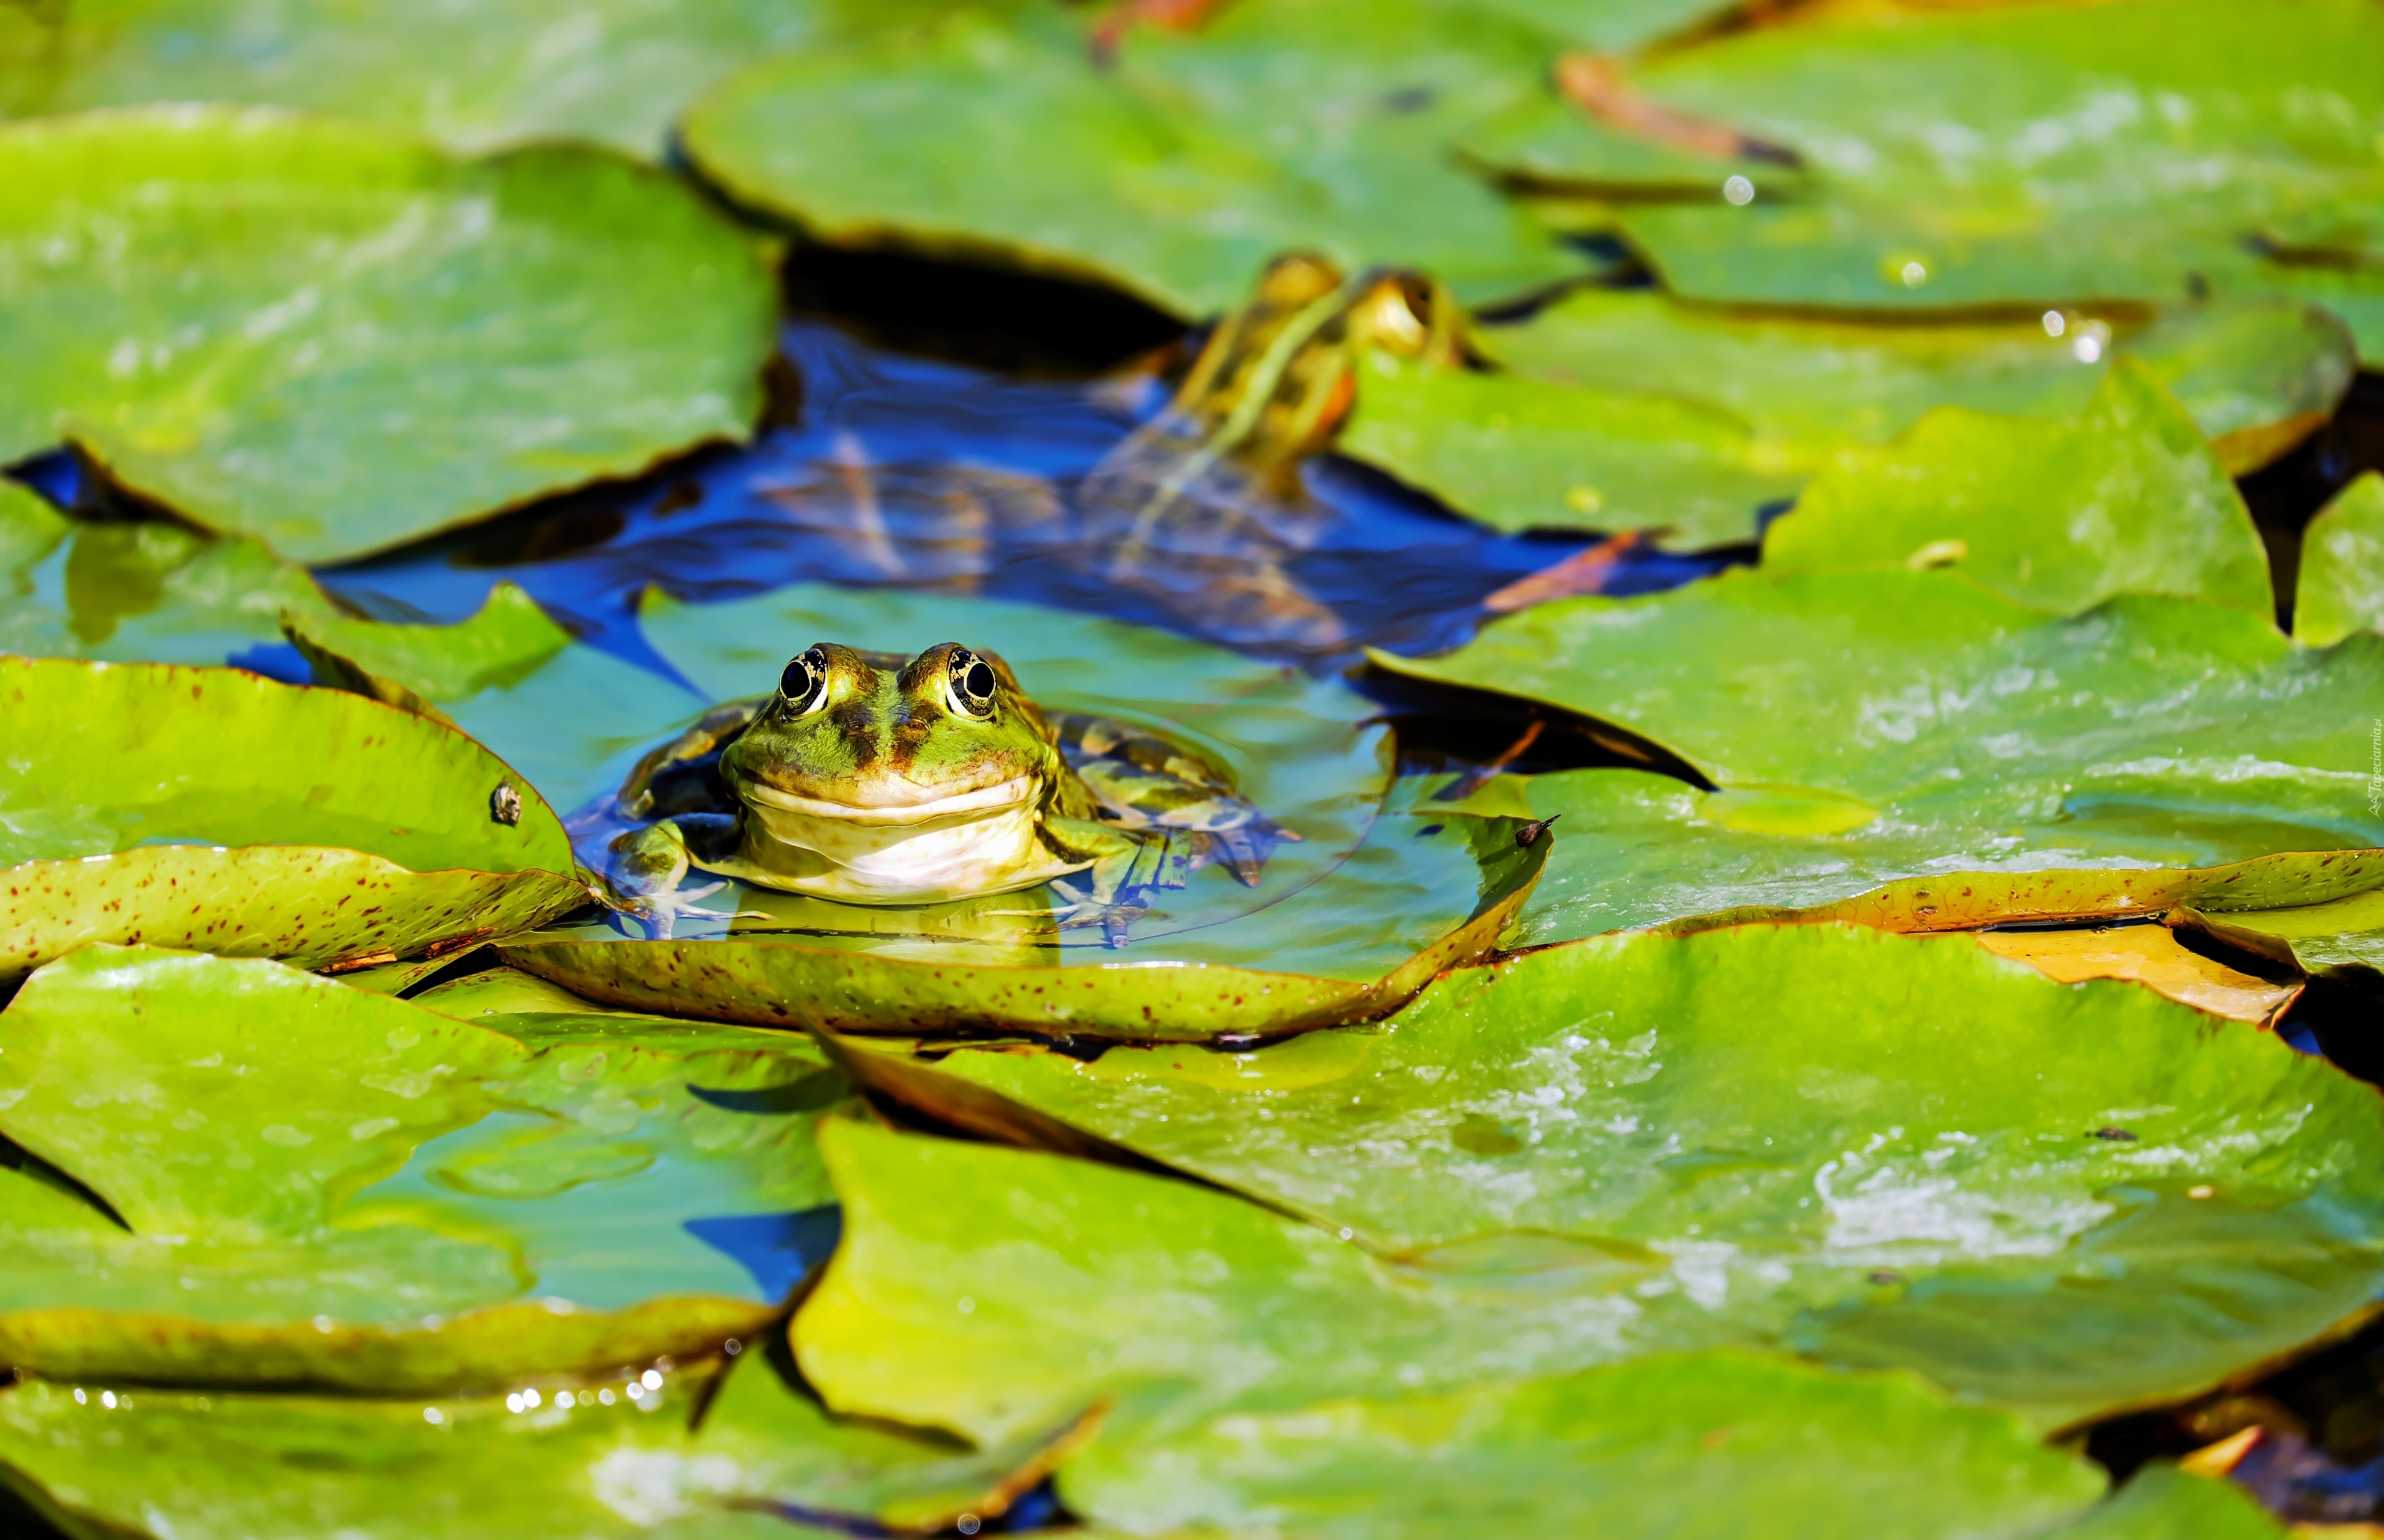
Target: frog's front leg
1125,863
644,867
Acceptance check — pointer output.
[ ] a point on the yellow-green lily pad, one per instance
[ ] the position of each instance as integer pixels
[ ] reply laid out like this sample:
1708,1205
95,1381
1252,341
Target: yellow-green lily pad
337,340
616,71
1720,1446
2075,764
2125,498
605,1461
1876,1150
2341,590
305,1184
1175,172
216,810
1520,454
2256,375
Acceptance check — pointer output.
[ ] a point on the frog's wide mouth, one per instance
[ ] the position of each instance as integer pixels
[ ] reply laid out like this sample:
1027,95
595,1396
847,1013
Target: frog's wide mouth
926,806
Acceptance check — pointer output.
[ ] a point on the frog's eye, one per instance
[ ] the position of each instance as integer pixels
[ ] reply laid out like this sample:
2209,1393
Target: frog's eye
971,684
803,684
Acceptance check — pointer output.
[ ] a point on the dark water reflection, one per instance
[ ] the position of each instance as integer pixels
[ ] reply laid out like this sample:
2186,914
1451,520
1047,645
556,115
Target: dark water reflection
883,469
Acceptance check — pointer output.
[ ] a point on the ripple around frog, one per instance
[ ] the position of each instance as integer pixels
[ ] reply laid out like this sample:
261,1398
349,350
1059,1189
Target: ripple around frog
1370,891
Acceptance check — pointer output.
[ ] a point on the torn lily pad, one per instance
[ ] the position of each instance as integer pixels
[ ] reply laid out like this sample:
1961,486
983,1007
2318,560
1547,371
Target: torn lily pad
1174,172
2060,1199
2125,498
2256,375
361,1193
337,340
2341,590
1718,1444
1869,726
613,1458
216,810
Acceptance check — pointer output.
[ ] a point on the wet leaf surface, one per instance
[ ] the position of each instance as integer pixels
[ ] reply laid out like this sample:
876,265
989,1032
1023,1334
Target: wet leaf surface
1175,174
2124,498
1780,1449
1873,1149
205,303
471,75
2007,155
212,807
2255,374
1844,715
594,1460
322,1185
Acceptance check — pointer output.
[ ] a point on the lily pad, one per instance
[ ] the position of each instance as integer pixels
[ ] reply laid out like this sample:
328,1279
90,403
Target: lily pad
214,809
2342,584
1871,725
1176,173
2256,375
2346,933
598,1461
1968,157
501,644
1520,454
337,340
1350,921
1720,1446
1874,1150
2125,498
321,1186
471,76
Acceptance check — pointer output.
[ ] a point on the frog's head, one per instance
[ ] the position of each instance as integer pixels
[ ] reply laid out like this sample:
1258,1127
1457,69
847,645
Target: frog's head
874,738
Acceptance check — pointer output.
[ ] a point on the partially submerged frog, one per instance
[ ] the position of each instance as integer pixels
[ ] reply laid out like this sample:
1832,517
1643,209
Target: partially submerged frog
874,778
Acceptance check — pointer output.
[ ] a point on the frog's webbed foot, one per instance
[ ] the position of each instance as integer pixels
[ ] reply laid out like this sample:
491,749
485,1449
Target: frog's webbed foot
1084,909
645,870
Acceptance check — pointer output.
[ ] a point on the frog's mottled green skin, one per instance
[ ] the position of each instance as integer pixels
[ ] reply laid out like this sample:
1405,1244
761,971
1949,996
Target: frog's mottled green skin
873,778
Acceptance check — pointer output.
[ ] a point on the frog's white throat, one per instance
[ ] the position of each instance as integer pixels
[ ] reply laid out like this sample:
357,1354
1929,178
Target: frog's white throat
988,840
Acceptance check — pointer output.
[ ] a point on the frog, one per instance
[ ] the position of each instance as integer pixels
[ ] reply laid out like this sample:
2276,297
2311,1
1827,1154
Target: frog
880,779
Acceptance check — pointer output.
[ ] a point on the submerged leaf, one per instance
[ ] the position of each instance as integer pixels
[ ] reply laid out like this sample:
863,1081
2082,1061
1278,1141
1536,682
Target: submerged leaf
2125,498
2342,585
1874,1150
366,1194
337,341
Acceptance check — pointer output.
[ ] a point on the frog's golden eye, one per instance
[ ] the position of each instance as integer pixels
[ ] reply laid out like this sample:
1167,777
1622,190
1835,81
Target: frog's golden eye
970,683
803,685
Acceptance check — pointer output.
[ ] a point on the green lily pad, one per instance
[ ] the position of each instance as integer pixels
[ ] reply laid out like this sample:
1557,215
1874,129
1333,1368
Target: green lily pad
2341,585
322,1185
2125,498
2346,933
2160,1502
1983,157
501,644
1520,454
214,809
1877,1151
615,71
1350,921
1720,1446
337,341
1864,725
587,1460
2256,375
1176,173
